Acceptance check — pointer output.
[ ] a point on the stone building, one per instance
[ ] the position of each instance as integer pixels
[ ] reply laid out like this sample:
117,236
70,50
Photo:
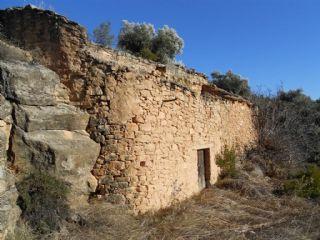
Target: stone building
159,126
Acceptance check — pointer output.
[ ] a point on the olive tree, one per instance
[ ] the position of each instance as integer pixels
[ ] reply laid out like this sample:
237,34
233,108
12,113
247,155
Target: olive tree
102,35
136,37
142,40
231,82
167,44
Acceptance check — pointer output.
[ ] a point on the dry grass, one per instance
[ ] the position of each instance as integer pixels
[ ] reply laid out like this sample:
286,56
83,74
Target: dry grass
22,232
214,214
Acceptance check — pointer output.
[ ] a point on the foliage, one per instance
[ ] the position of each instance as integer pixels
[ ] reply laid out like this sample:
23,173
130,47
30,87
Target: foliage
232,83
167,44
148,54
43,201
134,37
102,34
227,162
290,122
306,184
142,40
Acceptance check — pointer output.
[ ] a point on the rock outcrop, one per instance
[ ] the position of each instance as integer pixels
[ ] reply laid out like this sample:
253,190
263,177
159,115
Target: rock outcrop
40,130
31,84
60,117
9,211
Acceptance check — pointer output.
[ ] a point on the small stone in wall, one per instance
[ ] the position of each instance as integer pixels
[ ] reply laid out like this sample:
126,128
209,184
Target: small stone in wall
137,119
116,198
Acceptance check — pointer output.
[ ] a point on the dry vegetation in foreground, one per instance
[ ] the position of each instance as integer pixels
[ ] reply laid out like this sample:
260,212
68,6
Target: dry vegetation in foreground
241,206
213,214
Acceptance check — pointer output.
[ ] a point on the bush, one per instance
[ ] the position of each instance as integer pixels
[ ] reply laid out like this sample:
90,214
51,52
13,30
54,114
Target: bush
43,201
289,122
232,83
102,36
227,162
294,96
142,40
305,184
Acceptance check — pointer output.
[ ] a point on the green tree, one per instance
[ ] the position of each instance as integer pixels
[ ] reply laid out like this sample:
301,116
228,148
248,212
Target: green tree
142,40
136,38
231,82
102,34
167,44
295,96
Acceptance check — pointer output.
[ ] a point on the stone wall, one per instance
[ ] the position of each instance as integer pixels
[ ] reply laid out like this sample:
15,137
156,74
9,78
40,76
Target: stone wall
149,119
155,125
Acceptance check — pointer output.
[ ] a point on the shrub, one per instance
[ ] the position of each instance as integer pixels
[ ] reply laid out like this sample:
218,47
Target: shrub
101,34
289,123
306,184
142,40
232,83
294,96
43,201
227,162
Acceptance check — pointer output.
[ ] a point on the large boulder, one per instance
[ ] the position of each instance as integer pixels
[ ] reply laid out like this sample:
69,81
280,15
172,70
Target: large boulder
60,117
31,84
67,155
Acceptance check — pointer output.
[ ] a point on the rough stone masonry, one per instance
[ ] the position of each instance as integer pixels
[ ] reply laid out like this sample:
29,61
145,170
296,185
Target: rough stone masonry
159,127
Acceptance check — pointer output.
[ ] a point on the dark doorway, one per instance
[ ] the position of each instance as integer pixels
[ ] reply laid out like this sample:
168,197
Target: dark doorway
204,168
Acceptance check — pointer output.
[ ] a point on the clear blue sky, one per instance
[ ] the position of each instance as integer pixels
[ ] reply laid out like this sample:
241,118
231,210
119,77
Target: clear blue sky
271,42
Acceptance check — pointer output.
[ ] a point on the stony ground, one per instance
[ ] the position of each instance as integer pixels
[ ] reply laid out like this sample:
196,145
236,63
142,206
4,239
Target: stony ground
214,214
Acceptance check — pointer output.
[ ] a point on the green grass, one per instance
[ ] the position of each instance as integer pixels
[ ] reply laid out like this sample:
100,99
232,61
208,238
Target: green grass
227,162
305,184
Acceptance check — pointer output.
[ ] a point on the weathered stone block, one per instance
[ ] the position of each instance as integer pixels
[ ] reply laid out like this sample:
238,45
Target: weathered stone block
60,117
145,127
108,179
68,155
31,84
123,184
116,198
116,165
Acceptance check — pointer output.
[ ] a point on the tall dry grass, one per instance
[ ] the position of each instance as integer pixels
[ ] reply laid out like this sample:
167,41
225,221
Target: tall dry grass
213,214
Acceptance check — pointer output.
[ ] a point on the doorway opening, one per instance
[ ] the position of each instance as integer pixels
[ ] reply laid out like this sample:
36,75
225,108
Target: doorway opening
204,172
